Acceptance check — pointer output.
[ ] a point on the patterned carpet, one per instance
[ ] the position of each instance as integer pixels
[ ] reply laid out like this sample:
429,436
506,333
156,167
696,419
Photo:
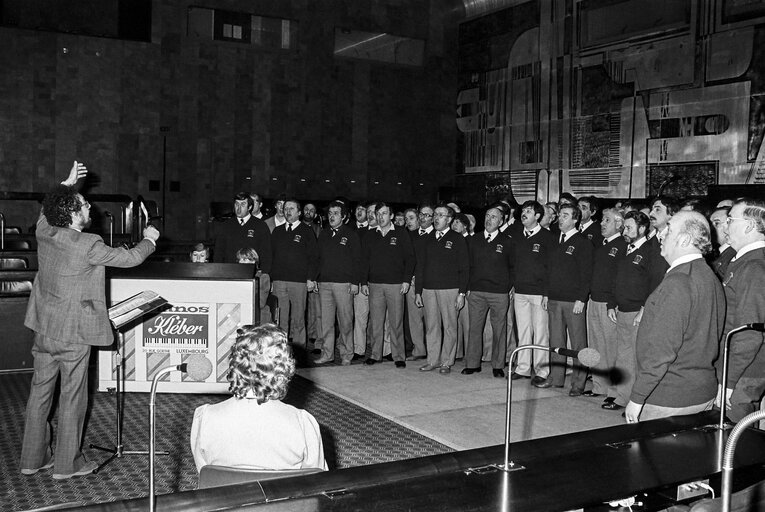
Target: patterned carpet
352,437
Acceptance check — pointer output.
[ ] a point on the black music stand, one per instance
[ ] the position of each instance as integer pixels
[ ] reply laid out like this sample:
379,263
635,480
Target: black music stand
121,315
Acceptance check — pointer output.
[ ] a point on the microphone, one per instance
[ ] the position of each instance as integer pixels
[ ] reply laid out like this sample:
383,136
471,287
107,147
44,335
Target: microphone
589,357
198,367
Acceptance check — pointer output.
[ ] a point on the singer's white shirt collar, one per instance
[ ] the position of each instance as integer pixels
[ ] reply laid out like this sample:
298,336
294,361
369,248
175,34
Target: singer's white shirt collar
586,225
747,248
637,243
684,259
568,234
243,220
612,238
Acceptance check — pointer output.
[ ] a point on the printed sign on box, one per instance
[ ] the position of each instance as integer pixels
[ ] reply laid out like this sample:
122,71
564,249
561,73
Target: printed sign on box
185,327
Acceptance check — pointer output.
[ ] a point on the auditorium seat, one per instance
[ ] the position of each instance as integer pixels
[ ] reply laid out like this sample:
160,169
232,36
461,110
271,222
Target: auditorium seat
8,288
17,245
217,476
13,263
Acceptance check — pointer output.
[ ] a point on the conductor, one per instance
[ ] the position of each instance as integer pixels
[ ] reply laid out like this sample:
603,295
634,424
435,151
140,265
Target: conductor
67,312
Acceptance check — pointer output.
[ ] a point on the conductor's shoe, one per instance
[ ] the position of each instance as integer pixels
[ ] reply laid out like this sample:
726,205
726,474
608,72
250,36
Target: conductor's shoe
470,371
498,373
612,406
517,376
541,383
47,465
86,469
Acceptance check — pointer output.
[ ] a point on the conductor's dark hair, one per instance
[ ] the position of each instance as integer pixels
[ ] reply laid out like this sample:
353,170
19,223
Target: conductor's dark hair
59,205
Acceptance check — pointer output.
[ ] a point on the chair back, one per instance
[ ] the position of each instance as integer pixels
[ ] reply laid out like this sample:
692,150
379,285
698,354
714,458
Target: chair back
217,476
14,263
17,245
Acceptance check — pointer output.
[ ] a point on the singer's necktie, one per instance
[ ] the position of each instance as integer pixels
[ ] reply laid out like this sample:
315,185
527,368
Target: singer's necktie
241,222
289,228
631,248
488,238
439,235
527,233
562,238
605,241
422,232
334,232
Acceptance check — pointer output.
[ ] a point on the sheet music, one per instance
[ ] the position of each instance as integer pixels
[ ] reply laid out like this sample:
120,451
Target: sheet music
135,306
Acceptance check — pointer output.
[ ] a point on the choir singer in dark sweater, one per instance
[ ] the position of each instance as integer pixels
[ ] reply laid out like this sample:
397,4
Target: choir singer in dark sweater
601,330
492,259
570,275
339,278
441,284
294,270
389,266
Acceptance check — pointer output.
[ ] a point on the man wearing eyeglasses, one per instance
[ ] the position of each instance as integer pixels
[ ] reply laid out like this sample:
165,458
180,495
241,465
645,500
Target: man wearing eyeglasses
67,311
744,283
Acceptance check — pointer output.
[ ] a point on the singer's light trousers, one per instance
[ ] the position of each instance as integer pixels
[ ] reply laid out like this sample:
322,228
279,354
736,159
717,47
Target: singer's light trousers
292,299
601,335
336,301
531,319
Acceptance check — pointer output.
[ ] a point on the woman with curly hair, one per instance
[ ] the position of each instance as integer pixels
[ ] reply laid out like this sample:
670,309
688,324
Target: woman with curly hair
254,429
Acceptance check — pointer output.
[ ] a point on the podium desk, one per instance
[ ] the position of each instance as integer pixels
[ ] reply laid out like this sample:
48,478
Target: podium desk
207,302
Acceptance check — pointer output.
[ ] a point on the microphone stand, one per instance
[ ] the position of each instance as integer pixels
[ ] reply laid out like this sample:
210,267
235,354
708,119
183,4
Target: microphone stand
2,232
724,381
508,465
152,451
730,450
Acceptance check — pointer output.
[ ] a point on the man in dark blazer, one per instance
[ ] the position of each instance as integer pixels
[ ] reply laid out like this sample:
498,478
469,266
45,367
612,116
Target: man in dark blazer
67,311
682,323
744,284
243,231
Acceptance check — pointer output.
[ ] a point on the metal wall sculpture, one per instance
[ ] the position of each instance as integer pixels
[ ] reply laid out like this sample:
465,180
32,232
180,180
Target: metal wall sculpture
612,97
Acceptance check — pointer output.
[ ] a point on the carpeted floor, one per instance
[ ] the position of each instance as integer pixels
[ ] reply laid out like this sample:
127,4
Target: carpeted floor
352,436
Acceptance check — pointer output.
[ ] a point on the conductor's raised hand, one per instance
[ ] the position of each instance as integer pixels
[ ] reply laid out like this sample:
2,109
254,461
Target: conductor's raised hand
78,171
151,233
